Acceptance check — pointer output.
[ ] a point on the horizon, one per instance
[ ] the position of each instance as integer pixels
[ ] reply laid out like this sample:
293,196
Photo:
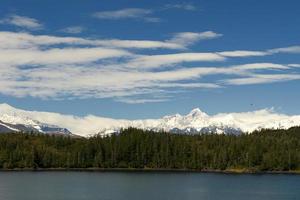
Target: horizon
146,60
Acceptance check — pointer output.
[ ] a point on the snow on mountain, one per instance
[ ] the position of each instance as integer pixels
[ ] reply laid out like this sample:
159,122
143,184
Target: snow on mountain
196,121
7,128
12,119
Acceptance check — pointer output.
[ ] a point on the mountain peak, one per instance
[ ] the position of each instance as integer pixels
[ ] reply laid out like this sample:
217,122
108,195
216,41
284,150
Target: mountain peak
197,112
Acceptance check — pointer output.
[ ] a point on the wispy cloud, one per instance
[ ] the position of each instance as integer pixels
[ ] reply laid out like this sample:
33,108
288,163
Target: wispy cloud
183,6
141,101
294,65
188,38
155,61
127,13
258,66
243,53
73,29
291,49
22,21
146,15
58,56
45,66
25,40
262,78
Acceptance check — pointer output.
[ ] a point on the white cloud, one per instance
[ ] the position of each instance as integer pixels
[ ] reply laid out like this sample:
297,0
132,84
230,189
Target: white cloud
33,65
22,21
25,40
294,65
257,66
190,85
242,53
291,49
73,29
183,6
57,56
262,78
98,81
127,13
140,13
141,101
155,61
189,38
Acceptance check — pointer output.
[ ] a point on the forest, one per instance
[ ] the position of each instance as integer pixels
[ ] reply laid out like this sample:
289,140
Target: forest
264,150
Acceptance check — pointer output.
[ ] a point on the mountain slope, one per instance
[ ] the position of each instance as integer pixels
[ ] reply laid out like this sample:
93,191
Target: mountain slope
196,121
6,128
15,120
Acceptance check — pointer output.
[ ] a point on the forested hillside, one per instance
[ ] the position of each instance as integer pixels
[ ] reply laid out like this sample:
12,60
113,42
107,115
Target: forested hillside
266,150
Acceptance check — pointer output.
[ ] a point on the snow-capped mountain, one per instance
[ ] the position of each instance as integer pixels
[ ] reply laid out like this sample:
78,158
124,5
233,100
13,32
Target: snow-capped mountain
14,120
196,121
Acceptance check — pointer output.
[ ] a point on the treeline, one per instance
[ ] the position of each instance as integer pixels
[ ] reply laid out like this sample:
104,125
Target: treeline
265,150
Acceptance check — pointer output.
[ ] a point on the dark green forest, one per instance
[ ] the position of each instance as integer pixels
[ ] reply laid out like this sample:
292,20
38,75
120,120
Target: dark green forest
265,150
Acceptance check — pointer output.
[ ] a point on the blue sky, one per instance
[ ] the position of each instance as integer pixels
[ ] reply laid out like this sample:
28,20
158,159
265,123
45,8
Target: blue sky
145,59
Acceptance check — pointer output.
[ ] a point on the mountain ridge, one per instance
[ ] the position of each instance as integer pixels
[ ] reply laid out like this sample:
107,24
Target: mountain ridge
196,121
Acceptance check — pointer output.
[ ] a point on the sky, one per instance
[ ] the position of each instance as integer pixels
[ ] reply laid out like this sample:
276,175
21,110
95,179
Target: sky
147,59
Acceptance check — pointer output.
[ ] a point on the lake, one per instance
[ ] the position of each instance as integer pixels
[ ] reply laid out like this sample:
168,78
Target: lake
146,186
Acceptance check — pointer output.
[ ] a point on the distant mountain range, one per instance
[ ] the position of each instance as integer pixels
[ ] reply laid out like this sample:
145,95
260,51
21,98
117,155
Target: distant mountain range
195,122
39,127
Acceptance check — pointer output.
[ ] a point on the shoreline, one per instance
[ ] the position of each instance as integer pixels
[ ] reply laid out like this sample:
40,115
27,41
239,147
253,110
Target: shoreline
229,171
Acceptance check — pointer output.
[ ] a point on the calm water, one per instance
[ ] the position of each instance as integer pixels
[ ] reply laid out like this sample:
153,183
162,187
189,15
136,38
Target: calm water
146,186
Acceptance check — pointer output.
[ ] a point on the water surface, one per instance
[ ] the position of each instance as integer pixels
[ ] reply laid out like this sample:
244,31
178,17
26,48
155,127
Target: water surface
146,186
